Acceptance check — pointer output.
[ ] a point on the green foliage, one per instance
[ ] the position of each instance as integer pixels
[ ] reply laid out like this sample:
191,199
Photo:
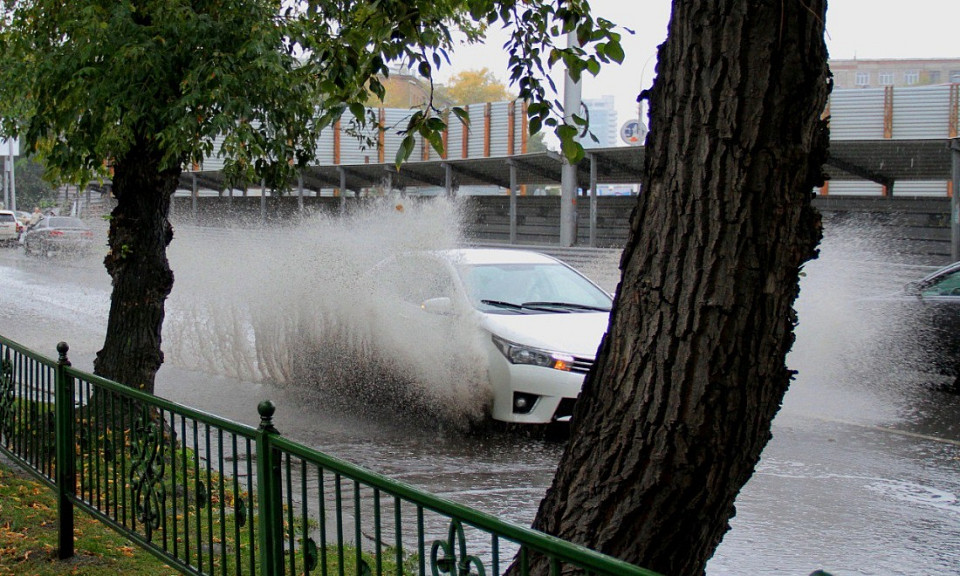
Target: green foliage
32,188
87,83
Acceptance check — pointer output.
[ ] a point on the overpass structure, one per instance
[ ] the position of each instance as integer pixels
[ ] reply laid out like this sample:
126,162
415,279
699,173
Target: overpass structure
884,142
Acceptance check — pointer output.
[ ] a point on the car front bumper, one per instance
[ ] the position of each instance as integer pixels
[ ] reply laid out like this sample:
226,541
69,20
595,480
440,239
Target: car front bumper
543,390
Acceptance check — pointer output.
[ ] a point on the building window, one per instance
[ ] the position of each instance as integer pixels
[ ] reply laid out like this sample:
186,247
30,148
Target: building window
955,76
911,77
933,77
863,78
885,78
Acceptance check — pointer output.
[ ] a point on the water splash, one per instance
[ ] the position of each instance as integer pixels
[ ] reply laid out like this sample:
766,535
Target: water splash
856,353
295,306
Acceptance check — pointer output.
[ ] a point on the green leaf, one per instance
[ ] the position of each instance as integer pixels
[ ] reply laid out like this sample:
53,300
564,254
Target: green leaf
358,110
614,51
566,132
436,142
572,150
405,149
462,114
424,69
593,67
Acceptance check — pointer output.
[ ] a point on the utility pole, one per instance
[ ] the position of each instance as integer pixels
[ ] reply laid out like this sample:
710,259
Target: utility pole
568,171
954,201
12,149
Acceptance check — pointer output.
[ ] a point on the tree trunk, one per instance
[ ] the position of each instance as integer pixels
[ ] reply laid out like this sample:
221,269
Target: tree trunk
137,262
673,418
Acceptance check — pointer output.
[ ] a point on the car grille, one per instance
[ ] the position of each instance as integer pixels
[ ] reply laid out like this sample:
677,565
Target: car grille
581,365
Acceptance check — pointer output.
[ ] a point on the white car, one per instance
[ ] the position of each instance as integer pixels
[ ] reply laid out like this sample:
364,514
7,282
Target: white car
10,227
536,322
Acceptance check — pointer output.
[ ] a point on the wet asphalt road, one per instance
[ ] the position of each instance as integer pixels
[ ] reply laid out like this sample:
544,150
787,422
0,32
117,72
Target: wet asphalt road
862,475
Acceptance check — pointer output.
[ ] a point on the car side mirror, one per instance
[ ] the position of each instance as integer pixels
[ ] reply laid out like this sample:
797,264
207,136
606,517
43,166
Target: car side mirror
442,306
912,288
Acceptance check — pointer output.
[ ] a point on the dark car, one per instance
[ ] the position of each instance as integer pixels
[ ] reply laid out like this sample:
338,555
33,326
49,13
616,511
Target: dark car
58,234
934,321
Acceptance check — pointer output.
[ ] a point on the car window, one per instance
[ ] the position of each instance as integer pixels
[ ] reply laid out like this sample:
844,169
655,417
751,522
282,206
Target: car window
946,285
7,218
64,222
523,283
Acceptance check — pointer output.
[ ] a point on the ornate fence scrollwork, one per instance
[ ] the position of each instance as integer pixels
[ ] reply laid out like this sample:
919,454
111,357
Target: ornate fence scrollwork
6,400
453,563
147,470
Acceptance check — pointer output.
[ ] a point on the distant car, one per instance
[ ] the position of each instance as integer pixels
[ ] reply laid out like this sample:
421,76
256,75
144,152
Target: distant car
536,321
10,227
57,234
933,317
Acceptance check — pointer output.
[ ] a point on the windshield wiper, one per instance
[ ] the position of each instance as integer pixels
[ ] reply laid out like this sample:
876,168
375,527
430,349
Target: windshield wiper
564,306
502,304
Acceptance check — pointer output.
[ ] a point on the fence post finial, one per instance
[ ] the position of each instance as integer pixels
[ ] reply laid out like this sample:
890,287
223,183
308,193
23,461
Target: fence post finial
267,409
62,349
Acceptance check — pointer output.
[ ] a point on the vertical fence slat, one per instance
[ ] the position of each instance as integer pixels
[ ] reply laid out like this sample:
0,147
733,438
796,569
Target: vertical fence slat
339,512
251,509
304,517
323,518
237,505
291,531
209,500
197,494
398,534
223,502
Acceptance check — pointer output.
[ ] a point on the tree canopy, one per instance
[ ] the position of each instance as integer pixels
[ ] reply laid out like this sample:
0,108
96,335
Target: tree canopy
138,89
473,86
82,81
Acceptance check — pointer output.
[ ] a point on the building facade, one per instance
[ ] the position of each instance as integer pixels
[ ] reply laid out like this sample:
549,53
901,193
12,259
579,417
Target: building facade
894,72
603,122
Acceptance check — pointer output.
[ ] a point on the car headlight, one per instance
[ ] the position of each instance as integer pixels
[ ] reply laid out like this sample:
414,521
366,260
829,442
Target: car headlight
520,354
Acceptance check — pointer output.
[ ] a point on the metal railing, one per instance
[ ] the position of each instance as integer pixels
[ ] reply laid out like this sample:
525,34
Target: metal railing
211,496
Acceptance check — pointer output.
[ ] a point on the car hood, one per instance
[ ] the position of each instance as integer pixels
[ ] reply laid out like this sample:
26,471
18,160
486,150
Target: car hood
576,333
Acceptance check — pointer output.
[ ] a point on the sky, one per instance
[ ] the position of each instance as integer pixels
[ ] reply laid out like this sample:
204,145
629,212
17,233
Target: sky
864,29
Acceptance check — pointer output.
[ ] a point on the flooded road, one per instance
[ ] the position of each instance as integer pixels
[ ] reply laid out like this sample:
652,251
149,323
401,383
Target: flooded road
862,475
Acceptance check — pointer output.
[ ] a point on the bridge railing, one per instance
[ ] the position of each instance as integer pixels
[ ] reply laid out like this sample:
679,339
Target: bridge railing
211,496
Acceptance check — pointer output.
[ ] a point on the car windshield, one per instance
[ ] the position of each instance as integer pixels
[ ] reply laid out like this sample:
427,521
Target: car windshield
945,285
547,287
64,222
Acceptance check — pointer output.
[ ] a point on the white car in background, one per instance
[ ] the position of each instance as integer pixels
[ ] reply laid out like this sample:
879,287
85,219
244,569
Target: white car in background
10,227
539,322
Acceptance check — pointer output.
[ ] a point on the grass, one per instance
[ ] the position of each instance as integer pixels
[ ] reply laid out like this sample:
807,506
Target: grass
28,537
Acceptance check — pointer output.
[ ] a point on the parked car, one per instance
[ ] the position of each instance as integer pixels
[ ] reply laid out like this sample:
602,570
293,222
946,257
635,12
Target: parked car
933,317
537,322
10,227
57,234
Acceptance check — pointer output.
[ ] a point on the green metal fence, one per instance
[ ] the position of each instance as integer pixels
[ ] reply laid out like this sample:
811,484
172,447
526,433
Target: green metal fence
211,496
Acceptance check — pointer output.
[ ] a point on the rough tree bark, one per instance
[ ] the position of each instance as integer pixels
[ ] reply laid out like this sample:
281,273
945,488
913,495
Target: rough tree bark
137,263
672,420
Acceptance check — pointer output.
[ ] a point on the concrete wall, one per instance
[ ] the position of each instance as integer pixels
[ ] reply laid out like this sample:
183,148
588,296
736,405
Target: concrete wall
917,230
